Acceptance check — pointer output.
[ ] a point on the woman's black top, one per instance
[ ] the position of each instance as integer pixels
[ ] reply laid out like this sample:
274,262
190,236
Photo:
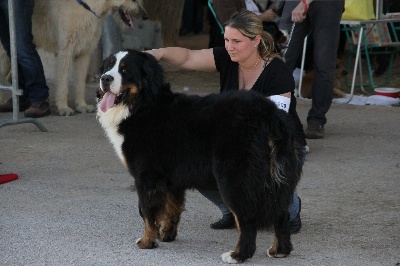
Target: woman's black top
275,79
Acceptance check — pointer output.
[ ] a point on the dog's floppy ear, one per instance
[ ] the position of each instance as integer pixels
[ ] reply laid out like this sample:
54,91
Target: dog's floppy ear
149,78
152,74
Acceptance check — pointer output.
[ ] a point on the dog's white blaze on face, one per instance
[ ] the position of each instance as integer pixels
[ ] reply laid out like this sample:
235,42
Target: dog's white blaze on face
117,82
114,116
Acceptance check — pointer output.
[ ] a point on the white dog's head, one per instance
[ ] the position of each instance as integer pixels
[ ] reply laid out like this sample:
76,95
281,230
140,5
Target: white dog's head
126,9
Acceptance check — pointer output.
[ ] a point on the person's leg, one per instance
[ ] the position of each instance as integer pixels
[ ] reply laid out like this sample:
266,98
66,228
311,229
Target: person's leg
296,41
295,205
198,14
5,41
215,197
31,68
325,18
227,221
187,18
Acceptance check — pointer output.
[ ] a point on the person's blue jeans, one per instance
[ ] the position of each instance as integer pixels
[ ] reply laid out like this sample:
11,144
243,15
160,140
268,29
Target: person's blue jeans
30,69
215,197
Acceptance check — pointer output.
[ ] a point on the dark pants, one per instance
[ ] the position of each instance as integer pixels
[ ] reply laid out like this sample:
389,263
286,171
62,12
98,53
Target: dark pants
323,20
192,16
30,69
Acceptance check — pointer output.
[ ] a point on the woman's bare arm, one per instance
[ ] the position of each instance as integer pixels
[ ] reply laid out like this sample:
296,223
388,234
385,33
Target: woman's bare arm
183,58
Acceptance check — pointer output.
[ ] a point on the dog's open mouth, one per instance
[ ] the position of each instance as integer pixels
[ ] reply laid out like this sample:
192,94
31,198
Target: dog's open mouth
110,100
126,17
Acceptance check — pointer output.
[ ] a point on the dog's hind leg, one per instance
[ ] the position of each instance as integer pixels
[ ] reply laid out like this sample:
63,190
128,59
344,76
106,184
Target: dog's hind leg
81,68
282,245
172,214
246,245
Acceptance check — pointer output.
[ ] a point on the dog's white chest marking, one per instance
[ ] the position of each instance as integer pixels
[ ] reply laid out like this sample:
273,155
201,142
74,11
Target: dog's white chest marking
109,121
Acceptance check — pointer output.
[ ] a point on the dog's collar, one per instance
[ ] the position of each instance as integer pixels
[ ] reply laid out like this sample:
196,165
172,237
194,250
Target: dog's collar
86,6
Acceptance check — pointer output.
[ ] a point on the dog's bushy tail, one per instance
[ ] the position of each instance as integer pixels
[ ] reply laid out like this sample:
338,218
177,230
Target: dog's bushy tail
284,164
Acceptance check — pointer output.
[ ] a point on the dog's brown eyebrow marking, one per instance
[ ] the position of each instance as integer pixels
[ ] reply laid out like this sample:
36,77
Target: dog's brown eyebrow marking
110,58
110,62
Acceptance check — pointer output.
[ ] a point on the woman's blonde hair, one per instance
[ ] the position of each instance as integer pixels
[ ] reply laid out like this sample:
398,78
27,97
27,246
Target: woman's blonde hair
250,25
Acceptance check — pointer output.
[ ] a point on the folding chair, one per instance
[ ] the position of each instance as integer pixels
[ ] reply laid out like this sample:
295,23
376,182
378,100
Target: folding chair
377,39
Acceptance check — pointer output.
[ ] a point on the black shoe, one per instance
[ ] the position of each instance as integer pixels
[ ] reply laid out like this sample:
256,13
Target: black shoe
38,109
8,106
227,222
314,131
295,224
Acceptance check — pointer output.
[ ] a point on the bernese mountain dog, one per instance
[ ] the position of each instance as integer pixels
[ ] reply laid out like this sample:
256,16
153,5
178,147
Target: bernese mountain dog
237,142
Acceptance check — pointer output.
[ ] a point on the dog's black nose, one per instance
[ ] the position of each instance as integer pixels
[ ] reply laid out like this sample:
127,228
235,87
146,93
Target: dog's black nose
107,79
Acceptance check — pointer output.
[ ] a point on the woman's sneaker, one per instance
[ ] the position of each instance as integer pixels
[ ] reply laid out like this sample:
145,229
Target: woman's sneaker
226,222
38,109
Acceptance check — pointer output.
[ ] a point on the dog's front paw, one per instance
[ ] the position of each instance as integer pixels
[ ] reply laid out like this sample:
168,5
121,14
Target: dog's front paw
140,243
168,235
84,108
65,111
273,253
227,258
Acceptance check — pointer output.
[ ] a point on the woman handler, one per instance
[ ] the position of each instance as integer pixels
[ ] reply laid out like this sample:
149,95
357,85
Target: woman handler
248,62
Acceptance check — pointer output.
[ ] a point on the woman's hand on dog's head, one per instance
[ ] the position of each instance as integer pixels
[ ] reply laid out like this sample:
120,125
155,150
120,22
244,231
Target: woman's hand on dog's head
156,53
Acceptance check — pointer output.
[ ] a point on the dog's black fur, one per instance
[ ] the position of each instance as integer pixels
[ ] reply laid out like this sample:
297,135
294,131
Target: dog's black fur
238,142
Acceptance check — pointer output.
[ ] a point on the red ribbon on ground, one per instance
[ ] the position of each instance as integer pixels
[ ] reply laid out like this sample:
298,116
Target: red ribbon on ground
7,178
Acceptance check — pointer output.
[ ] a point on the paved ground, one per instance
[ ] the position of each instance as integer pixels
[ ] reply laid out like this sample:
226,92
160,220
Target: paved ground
73,203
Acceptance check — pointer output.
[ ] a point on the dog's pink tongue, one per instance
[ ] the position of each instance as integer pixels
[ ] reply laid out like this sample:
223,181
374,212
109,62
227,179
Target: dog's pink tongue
129,18
107,102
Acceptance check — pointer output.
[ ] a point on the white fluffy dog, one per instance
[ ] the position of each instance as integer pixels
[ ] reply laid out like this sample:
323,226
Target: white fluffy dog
72,32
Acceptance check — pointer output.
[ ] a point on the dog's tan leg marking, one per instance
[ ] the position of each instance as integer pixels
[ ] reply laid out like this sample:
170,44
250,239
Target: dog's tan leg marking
273,250
170,219
227,257
81,67
148,241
